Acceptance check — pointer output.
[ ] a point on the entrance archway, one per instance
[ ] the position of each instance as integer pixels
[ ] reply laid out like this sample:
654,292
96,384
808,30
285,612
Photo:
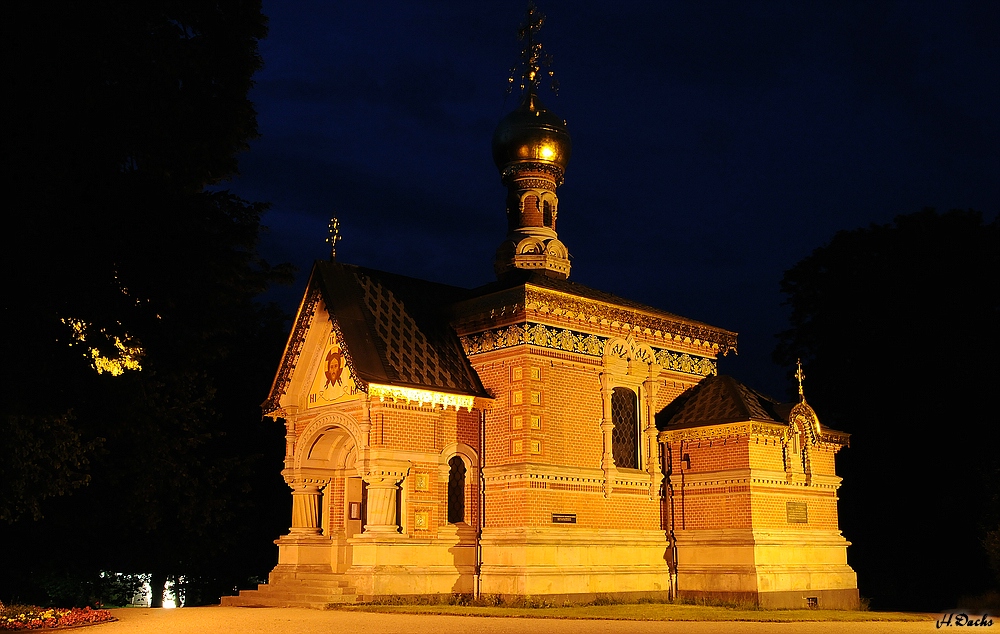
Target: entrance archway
327,492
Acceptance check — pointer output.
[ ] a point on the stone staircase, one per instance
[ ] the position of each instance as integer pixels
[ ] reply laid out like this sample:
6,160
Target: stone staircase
299,590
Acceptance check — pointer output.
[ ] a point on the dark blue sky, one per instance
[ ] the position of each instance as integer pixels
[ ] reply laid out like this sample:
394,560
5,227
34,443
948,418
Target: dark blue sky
715,144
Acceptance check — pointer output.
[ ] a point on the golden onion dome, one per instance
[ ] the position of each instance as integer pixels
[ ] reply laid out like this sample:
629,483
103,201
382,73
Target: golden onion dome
531,134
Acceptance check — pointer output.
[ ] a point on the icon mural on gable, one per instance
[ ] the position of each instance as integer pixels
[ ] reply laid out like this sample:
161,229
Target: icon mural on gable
333,381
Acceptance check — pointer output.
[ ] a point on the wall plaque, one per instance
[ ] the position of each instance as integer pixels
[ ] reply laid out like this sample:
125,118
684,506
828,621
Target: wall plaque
421,520
421,482
797,512
564,518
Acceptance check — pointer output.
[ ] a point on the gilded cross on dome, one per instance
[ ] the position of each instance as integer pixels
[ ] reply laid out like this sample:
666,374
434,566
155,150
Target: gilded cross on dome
335,237
800,375
532,57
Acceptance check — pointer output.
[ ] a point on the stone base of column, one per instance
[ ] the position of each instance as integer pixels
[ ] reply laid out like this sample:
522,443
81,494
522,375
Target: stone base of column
313,551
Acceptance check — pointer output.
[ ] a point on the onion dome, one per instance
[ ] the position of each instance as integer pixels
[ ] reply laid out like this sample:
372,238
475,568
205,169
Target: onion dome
531,134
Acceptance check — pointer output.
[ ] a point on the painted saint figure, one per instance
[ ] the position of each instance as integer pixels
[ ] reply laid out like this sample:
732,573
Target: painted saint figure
334,366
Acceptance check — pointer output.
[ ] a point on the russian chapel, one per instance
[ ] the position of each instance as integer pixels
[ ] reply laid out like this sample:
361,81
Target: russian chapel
534,436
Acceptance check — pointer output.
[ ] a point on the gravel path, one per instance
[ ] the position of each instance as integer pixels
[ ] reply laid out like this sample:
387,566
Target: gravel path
225,620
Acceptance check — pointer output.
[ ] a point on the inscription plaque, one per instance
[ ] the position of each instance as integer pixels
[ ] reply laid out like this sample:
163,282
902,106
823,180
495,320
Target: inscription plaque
564,518
797,512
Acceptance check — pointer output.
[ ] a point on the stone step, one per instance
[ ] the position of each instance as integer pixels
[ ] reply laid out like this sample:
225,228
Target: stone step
237,602
292,594
325,585
304,576
314,592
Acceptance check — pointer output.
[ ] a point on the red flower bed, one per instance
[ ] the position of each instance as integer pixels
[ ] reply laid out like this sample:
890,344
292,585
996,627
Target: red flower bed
30,617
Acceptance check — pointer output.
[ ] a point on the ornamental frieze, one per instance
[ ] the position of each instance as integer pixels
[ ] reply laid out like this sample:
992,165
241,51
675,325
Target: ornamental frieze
570,341
726,430
556,304
778,431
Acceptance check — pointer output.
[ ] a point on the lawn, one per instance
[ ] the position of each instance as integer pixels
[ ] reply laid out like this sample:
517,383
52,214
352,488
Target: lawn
642,612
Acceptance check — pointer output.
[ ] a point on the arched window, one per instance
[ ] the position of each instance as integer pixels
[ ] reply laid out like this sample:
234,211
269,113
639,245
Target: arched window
456,490
547,214
625,435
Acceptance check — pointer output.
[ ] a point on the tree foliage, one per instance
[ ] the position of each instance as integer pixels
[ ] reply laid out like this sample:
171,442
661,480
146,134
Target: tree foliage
895,325
44,457
123,246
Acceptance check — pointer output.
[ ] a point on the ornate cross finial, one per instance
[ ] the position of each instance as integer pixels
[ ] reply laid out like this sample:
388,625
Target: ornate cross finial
529,69
334,238
799,374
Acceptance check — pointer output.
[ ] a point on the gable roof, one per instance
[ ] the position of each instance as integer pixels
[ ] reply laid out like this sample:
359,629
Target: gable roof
395,329
721,399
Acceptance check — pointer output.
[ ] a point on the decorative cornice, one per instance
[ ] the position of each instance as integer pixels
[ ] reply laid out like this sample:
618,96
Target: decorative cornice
536,183
544,300
514,170
776,430
724,430
581,343
413,395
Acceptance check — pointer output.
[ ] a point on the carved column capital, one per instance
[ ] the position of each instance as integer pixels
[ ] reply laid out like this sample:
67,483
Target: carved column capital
605,382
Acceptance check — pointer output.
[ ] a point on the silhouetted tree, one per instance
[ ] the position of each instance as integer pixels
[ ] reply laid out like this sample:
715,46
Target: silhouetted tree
896,327
122,247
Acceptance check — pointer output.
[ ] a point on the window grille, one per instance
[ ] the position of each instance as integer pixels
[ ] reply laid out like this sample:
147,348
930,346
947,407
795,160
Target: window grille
625,434
456,490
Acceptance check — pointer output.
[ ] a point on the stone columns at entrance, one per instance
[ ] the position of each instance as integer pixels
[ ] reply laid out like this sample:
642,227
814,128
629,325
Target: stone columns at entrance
305,509
382,479
382,494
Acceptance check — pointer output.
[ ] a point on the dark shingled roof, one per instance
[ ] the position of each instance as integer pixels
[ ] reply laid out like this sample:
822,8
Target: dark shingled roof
721,399
396,329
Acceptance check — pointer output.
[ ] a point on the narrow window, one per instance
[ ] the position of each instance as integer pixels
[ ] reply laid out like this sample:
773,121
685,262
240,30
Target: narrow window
456,490
547,214
625,435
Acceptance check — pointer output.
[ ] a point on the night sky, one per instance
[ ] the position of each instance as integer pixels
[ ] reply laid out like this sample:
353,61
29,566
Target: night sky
715,144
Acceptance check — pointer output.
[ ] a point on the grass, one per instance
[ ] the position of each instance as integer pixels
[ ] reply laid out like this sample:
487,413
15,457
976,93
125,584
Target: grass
636,612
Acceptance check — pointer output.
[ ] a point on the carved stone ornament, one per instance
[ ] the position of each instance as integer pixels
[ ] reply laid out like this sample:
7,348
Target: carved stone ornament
544,301
804,416
581,343
727,430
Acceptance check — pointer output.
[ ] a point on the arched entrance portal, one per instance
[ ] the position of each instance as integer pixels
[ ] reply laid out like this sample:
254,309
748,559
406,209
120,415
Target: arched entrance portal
328,501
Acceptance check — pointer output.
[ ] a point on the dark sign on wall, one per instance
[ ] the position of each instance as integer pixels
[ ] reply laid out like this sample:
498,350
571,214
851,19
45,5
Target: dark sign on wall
564,518
797,512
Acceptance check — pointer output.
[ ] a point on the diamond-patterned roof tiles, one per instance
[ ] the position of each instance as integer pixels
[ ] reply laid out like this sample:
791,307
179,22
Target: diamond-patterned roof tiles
396,330
720,399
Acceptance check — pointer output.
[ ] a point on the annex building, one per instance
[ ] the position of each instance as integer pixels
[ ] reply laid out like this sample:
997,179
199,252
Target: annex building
534,436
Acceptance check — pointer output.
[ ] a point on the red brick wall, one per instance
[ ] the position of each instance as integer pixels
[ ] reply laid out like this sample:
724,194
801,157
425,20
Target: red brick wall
742,500
569,408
